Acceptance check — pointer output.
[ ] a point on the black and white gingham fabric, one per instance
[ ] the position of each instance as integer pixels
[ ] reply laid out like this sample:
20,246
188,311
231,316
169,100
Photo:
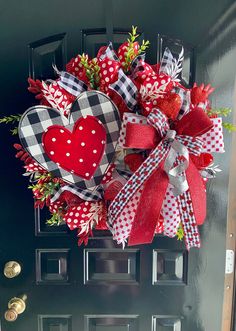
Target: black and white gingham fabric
126,89
72,84
110,53
86,195
167,62
136,61
36,120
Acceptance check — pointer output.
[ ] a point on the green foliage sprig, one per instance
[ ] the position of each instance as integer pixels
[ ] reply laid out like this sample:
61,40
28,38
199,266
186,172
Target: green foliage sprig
92,70
131,53
55,220
219,112
229,126
180,232
11,119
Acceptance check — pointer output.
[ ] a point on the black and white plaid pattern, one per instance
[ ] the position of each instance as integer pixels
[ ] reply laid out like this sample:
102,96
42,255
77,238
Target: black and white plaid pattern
126,89
110,53
191,234
36,120
72,84
86,195
136,61
167,62
186,100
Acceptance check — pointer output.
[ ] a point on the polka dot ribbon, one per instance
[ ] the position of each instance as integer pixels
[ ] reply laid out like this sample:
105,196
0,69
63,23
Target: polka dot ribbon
130,210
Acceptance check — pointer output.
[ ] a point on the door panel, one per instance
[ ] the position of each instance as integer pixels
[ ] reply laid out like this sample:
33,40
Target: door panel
101,287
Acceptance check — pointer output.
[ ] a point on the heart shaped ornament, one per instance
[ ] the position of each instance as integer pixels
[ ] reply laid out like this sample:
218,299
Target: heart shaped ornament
79,148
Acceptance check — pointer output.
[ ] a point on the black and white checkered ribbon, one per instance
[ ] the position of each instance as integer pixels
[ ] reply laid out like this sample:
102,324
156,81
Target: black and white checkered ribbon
70,83
136,182
110,53
86,195
126,89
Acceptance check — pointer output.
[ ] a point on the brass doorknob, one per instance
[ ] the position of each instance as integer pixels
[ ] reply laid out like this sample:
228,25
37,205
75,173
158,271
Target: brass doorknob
16,306
12,269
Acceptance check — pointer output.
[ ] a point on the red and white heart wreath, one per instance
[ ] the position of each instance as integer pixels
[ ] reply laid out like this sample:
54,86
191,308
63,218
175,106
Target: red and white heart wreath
119,144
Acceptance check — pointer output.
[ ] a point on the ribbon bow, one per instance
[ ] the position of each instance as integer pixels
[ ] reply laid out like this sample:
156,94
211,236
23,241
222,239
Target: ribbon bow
136,209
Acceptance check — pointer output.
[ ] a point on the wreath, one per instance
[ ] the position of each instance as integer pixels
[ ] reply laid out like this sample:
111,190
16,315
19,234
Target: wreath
116,143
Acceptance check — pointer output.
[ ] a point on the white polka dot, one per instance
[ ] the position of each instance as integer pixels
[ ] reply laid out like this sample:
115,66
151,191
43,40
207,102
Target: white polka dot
149,85
86,203
94,164
109,173
110,63
85,116
62,131
68,141
58,164
76,214
111,69
76,69
99,122
81,160
78,208
84,209
82,144
52,90
87,174
69,220
93,131
103,142
71,213
67,154
53,139
83,215
163,81
104,65
52,153
72,171
76,221
80,128
107,79
143,76
59,93
74,226
105,72
94,151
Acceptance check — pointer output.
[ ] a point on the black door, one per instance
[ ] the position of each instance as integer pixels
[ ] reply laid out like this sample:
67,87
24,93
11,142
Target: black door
100,287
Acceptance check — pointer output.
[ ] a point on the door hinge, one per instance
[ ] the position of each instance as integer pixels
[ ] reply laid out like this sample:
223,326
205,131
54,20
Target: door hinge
229,261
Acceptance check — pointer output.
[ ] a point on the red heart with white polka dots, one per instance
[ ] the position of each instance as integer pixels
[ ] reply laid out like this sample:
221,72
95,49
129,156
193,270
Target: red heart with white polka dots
79,152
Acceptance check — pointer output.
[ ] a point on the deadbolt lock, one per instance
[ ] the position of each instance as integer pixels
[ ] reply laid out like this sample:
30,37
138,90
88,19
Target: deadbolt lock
16,306
12,269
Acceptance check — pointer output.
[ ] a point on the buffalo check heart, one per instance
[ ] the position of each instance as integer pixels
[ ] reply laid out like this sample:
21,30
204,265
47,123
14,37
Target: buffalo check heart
91,105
